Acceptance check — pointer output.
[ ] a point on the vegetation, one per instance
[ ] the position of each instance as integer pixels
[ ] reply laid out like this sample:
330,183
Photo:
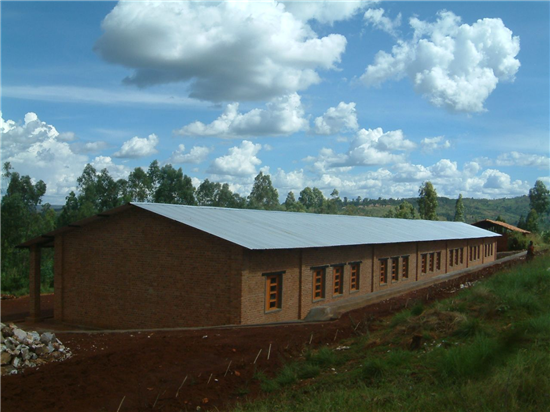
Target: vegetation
486,349
427,202
459,209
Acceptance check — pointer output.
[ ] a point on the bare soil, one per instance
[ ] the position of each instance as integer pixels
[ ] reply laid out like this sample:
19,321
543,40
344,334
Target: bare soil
145,370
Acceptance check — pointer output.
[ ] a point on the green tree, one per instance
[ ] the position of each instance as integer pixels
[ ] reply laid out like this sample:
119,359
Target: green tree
291,205
459,209
404,210
207,193
532,221
140,185
172,186
522,223
427,201
263,194
539,198
22,218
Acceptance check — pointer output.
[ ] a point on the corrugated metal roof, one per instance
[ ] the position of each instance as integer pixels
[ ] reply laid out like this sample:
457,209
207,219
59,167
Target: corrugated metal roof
260,229
501,224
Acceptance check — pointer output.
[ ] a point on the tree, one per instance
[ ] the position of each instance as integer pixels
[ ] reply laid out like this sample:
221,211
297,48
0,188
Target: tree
291,205
427,201
140,185
532,221
172,186
403,211
22,218
263,194
207,193
539,198
521,222
459,209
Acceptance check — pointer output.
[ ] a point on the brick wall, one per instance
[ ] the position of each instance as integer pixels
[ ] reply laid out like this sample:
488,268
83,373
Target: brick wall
297,302
139,270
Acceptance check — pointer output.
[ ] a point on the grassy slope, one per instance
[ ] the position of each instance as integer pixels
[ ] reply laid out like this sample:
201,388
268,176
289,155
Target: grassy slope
474,209
485,349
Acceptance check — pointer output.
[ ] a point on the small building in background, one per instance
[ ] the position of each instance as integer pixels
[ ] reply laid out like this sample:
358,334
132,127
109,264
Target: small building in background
503,229
146,265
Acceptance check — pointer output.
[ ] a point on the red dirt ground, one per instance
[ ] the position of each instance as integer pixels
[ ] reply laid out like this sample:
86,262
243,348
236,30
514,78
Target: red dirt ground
147,368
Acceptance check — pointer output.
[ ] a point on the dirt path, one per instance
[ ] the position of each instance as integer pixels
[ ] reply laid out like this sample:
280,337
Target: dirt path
18,309
147,369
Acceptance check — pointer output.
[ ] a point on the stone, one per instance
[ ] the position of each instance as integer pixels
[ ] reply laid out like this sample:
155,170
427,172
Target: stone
47,337
20,335
34,336
16,362
25,354
6,358
41,350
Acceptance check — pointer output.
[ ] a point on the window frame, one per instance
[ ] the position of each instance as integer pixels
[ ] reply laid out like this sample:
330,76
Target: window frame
278,276
423,263
405,267
340,290
355,275
383,271
322,290
394,269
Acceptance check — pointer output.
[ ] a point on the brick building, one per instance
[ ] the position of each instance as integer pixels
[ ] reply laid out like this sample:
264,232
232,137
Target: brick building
146,265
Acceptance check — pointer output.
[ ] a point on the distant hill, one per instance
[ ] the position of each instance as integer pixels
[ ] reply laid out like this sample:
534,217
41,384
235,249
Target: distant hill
510,209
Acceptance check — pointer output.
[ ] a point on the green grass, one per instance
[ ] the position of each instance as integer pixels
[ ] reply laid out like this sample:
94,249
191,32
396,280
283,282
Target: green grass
485,349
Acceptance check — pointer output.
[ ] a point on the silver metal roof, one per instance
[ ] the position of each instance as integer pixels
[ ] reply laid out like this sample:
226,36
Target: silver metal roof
260,229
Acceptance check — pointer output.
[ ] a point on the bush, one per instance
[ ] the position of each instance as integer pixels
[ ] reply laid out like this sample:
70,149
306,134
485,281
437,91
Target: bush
517,241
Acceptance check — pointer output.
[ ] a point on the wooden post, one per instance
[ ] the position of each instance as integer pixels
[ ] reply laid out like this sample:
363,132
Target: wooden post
34,284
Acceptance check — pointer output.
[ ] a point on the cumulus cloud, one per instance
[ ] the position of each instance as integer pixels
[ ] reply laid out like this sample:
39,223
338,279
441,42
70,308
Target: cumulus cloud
455,66
227,51
241,161
33,148
378,20
431,144
337,120
196,155
372,147
115,170
138,147
325,11
523,159
282,116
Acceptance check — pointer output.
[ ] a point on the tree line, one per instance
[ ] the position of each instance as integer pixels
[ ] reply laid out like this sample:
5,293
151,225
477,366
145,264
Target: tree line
24,216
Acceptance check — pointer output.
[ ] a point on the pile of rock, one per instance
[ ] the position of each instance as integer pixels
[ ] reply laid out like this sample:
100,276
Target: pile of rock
22,349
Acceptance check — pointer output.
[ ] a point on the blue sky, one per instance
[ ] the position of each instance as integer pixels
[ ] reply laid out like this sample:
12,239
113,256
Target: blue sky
370,98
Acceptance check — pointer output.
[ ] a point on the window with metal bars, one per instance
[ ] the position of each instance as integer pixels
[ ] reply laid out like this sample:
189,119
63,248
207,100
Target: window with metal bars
405,267
383,271
424,262
354,277
318,283
438,261
273,291
451,257
432,263
338,280
394,266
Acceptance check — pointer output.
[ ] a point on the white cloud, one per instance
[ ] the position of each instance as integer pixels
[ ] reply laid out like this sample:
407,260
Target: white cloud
196,155
138,147
33,149
454,65
372,147
227,51
523,159
378,20
77,94
337,120
431,144
325,11
282,116
241,161
116,171
89,147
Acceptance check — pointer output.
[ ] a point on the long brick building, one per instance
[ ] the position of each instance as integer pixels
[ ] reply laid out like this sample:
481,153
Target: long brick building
146,265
